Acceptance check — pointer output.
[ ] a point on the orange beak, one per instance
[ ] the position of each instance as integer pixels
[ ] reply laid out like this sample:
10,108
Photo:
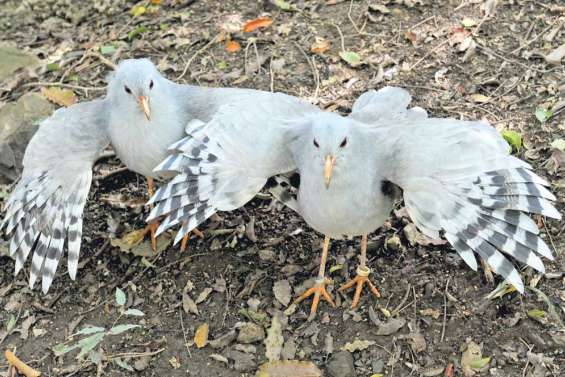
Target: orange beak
329,163
144,103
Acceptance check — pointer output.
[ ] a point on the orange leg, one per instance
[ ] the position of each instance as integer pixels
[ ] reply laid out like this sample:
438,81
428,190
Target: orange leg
362,277
319,289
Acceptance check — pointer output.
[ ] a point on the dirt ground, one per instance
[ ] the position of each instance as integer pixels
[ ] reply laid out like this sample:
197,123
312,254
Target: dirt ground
453,59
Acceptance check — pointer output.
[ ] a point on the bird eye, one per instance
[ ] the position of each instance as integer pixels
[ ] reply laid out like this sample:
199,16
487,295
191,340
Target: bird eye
343,143
151,84
128,90
316,144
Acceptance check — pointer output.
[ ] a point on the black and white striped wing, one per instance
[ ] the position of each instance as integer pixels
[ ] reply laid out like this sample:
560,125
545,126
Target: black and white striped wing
458,178
44,212
225,162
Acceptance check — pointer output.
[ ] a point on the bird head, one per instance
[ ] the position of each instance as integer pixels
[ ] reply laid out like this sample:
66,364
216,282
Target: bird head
133,85
327,144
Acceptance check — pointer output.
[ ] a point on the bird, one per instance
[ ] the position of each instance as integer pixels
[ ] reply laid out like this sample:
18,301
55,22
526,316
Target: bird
457,179
141,116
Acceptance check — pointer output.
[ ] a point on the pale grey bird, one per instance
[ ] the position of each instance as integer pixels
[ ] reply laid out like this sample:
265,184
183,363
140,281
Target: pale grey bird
457,179
141,116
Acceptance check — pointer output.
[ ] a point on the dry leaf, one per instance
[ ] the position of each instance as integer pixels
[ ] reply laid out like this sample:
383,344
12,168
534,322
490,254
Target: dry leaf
288,368
357,345
61,97
188,304
201,335
274,340
204,295
320,46
472,360
261,22
434,313
480,98
282,291
233,46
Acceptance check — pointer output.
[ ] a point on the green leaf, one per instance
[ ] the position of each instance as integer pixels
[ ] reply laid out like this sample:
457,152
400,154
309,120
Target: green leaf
479,363
335,268
513,138
134,312
120,297
123,364
352,58
121,328
285,5
61,349
137,31
52,67
87,344
89,330
536,314
468,23
107,50
11,324
543,115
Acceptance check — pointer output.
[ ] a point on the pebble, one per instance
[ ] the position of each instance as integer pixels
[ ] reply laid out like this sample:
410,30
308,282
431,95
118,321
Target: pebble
341,365
250,333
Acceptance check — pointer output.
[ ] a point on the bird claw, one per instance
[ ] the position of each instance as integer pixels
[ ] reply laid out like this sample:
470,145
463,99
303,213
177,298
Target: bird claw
319,291
359,280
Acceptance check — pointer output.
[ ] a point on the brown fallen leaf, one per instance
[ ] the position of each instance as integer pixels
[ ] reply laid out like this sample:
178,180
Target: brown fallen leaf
288,368
61,97
357,345
261,22
274,340
320,46
201,335
233,46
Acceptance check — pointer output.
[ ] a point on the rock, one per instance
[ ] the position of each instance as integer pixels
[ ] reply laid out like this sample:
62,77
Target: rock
18,123
243,362
341,365
223,340
12,59
282,291
391,326
250,333
378,365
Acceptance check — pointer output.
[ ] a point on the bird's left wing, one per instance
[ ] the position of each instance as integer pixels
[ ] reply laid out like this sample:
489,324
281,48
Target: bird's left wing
459,178
45,208
223,163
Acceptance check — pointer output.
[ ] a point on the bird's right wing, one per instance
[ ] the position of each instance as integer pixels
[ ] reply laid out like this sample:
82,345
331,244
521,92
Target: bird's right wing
224,163
45,208
458,177
386,105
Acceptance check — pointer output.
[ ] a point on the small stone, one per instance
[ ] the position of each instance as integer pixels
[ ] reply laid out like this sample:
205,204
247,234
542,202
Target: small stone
250,333
223,340
341,365
12,59
377,365
393,243
243,362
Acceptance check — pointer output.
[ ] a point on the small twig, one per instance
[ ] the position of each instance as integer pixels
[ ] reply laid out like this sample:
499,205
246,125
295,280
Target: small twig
351,18
399,306
22,367
106,154
313,67
100,177
533,39
429,53
550,238
341,37
184,334
67,86
444,310
421,22
198,52
105,61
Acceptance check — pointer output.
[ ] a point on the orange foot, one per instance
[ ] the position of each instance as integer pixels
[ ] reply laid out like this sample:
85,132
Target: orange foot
184,242
361,278
319,291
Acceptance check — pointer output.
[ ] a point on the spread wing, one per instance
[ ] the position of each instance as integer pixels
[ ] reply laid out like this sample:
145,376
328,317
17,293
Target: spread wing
224,163
458,177
45,209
